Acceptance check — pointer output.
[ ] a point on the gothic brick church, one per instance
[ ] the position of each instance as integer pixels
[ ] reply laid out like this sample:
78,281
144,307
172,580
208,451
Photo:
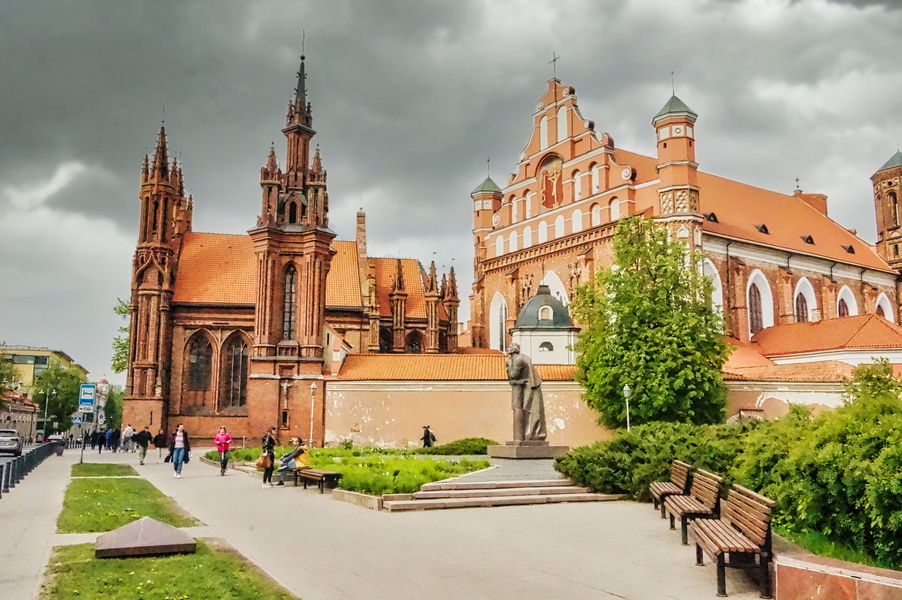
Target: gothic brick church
779,264
238,330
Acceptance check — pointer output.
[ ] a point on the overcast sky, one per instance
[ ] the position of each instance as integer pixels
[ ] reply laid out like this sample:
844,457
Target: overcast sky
409,98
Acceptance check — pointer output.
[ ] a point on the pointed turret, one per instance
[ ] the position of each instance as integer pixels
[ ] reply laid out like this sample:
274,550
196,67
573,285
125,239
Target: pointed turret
272,164
432,281
451,303
317,167
161,155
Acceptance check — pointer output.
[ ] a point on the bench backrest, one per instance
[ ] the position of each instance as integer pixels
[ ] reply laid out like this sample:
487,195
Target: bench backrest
749,513
679,474
706,488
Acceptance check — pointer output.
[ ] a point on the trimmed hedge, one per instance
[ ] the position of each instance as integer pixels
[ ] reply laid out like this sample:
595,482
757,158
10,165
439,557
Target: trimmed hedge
462,447
838,475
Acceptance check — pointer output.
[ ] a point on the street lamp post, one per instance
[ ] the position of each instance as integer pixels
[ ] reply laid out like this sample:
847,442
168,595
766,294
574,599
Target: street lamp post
312,397
627,391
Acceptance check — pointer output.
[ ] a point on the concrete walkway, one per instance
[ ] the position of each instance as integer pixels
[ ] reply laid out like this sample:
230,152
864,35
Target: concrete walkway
322,549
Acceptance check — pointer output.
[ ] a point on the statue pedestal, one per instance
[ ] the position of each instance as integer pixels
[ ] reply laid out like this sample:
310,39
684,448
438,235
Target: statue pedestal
527,449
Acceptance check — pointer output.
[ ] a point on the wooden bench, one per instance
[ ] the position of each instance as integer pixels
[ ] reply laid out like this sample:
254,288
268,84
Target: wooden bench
700,503
743,531
320,477
677,486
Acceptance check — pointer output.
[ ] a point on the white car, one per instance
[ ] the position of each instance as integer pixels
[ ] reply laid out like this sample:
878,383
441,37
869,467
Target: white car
11,441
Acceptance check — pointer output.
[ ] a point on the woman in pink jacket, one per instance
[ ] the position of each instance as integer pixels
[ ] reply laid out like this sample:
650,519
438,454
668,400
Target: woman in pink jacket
222,441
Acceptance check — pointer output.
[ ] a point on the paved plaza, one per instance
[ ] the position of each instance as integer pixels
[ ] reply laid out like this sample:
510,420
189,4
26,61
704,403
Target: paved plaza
323,549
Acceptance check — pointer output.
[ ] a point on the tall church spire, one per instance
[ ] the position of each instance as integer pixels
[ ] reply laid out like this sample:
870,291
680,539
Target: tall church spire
300,92
161,155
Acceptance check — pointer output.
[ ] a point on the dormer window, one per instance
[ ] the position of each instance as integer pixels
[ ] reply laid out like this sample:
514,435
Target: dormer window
545,313
711,217
849,249
808,239
762,228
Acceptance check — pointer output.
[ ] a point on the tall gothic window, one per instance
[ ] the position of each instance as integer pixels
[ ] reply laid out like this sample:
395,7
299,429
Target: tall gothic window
200,364
288,310
880,312
894,206
756,319
502,327
843,308
292,212
801,309
235,373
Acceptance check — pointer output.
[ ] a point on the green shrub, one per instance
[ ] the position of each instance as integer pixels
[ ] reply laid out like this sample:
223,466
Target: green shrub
631,461
462,447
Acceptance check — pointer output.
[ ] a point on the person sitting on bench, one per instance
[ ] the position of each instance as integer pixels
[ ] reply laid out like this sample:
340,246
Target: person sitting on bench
298,458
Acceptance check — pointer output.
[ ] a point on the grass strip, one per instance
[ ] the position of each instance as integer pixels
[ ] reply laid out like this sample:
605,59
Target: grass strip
211,573
98,504
377,471
102,470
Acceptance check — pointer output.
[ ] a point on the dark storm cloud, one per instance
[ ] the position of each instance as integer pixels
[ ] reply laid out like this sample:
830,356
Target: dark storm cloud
409,98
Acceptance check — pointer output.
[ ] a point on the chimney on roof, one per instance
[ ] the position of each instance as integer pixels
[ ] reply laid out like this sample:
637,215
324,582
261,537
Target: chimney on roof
816,201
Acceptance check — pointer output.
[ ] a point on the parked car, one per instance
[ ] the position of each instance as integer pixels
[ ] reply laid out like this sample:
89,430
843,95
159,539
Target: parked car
11,441
59,440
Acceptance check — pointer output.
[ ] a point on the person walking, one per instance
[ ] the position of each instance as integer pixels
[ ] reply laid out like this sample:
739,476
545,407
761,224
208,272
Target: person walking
141,440
127,434
107,440
428,437
269,449
222,441
159,442
93,439
296,459
180,449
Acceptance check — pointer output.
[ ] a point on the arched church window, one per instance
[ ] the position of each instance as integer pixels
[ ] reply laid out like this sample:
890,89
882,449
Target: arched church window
559,226
385,340
235,373
200,364
880,312
562,123
414,343
577,220
546,347
596,179
527,237
596,215
545,313
290,304
801,309
615,209
894,206
502,327
756,319
577,186
843,308
499,245
292,212
543,133
512,241
543,232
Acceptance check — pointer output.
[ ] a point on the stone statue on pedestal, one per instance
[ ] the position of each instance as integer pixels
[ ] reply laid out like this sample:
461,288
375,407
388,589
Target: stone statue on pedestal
526,397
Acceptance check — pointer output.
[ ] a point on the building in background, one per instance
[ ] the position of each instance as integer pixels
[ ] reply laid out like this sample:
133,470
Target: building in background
30,361
238,330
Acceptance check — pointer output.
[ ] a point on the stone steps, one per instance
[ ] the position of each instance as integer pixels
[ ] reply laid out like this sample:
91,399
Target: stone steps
459,494
496,492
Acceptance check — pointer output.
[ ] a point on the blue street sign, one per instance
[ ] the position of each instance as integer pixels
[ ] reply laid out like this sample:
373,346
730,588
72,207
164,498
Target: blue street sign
76,420
86,394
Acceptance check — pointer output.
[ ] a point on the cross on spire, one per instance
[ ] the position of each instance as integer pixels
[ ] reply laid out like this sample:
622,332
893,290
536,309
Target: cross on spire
488,166
672,84
797,183
553,63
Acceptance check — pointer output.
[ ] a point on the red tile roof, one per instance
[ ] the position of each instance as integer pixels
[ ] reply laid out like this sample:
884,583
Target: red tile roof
343,281
739,207
439,367
216,268
860,332
386,269
827,371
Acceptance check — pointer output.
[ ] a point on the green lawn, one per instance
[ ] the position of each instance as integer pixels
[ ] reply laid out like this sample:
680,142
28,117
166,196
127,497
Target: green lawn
103,504
374,470
102,470
214,574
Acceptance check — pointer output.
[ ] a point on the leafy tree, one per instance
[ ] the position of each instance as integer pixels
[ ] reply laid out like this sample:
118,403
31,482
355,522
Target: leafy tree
112,410
873,382
648,322
57,389
121,342
7,377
